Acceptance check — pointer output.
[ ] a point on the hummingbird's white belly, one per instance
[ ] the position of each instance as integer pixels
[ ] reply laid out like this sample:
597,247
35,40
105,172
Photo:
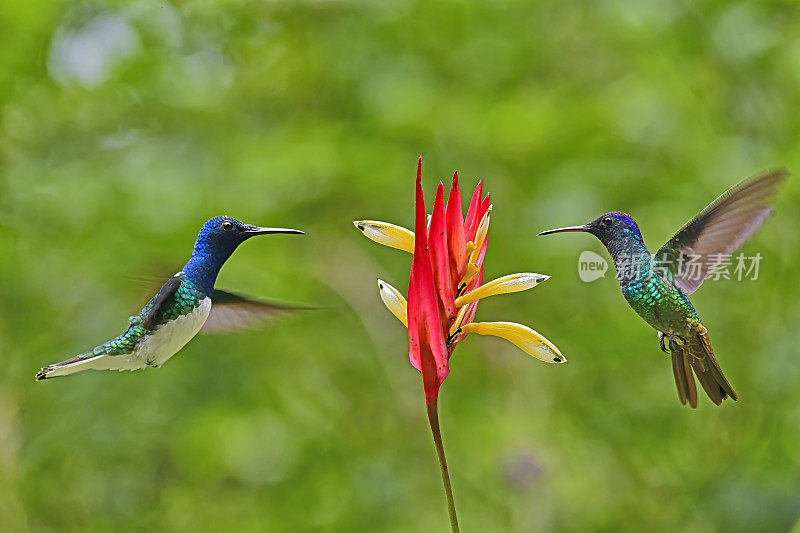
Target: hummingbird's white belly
167,340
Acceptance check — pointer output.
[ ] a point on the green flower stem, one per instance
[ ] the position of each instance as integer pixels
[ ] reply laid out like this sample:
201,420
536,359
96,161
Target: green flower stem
433,419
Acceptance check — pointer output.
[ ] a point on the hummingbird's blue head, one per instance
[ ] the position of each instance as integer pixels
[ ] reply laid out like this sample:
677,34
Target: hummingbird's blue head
614,225
217,240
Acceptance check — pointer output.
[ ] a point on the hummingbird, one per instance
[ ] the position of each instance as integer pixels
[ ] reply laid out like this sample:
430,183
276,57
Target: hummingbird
657,285
185,305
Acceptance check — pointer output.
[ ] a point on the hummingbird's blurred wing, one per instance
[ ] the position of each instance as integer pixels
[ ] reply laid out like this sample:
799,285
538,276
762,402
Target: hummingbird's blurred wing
702,244
231,312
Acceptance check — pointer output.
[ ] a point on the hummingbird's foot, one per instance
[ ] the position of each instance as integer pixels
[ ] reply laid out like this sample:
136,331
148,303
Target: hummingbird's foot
672,340
675,342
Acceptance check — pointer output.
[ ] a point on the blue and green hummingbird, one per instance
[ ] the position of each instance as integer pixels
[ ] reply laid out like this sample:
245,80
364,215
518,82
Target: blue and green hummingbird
657,286
186,304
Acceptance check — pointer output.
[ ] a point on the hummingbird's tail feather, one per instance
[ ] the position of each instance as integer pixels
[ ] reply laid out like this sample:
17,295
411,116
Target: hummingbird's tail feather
65,368
687,391
708,381
705,360
696,356
88,361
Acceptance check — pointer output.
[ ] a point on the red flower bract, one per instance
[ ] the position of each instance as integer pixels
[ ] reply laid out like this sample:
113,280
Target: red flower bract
437,269
444,288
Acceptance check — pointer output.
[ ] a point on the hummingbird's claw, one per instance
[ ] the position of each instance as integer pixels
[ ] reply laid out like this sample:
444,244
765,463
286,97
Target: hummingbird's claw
672,340
675,342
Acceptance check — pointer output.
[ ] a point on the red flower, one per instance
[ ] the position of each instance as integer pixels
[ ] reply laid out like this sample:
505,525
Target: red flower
444,288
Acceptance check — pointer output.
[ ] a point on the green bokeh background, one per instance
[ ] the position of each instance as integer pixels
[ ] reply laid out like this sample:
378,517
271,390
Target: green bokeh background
125,125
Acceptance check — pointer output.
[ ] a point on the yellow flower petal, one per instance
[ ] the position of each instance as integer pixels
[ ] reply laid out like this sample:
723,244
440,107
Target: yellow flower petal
387,234
523,337
474,247
472,269
394,301
459,320
480,235
511,283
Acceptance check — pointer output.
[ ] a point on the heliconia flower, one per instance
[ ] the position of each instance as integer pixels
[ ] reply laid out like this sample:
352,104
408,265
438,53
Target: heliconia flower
444,288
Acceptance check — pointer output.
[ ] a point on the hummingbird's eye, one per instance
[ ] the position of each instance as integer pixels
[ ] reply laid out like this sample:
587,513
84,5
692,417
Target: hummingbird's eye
226,226
607,221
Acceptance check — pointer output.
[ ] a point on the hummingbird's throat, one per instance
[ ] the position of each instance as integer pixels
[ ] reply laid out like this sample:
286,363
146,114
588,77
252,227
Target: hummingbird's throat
632,259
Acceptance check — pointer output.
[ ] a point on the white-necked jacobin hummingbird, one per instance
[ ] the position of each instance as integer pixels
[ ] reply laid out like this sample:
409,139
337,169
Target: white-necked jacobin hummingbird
656,286
186,304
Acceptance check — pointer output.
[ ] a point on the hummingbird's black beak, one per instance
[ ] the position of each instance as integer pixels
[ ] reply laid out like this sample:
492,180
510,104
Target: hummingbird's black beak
256,230
561,230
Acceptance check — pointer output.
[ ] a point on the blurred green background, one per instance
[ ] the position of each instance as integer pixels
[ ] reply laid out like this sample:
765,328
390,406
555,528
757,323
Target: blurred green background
125,125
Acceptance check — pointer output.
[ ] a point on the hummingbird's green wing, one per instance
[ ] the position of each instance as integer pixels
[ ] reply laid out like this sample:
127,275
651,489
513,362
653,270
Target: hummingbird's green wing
231,312
723,226
150,313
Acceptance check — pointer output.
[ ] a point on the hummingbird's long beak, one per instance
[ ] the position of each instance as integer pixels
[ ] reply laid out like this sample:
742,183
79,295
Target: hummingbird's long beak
256,230
560,230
